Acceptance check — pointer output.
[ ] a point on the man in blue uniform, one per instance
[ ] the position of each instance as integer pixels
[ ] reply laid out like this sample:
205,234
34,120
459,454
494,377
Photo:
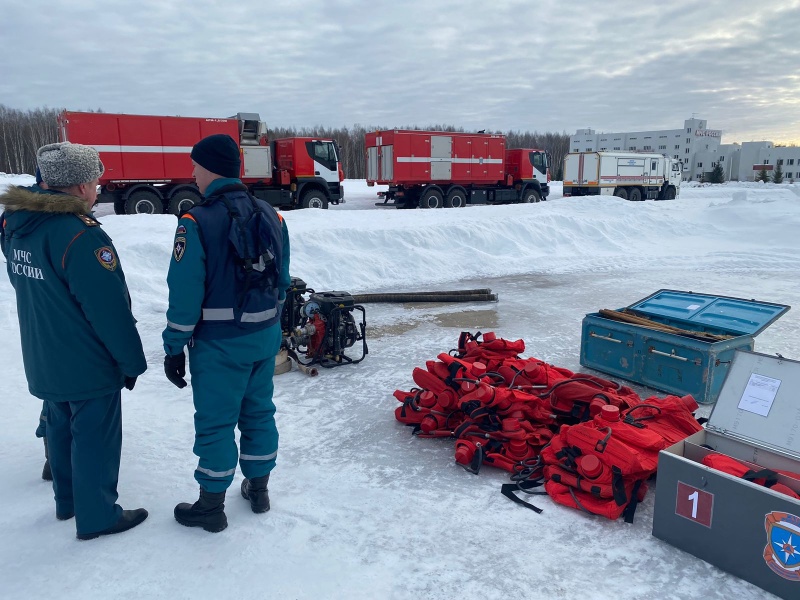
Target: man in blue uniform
79,340
227,281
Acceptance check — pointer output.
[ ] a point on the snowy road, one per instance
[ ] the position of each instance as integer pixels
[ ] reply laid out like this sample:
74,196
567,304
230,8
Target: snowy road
360,508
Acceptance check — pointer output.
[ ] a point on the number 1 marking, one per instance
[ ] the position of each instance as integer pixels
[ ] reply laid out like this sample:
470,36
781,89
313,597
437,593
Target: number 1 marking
694,497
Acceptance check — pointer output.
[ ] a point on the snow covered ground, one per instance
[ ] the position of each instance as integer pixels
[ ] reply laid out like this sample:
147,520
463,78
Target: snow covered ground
360,508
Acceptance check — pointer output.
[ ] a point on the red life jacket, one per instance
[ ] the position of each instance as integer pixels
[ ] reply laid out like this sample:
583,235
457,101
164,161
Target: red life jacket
761,476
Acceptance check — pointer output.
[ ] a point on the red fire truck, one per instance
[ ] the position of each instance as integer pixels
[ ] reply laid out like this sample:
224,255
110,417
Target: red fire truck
148,169
434,169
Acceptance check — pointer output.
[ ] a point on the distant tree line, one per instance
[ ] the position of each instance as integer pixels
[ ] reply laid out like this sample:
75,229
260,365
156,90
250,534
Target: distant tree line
23,131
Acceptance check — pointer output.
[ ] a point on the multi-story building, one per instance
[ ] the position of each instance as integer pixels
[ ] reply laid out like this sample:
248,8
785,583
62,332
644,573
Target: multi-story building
699,149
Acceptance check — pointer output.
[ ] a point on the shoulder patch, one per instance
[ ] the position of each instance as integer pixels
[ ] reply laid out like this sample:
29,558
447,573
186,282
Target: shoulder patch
180,230
106,257
180,248
89,221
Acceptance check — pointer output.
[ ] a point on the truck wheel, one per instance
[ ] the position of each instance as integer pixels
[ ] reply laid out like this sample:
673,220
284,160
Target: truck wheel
183,201
314,199
529,196
144,202
635,194
621,192
431,199
670,193
455,199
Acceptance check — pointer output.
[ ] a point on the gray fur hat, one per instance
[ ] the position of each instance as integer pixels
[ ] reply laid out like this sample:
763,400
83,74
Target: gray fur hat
64,164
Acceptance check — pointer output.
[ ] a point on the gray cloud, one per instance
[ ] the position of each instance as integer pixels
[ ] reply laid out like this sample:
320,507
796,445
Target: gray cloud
509,64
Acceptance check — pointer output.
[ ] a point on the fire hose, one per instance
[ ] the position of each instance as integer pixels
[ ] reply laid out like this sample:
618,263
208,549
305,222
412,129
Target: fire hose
479,295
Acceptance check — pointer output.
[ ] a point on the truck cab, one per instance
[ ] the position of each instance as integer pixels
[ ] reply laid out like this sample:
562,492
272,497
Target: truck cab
525,165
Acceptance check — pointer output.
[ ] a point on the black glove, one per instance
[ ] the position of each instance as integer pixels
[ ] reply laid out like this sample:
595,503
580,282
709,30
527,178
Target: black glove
129,382
175,369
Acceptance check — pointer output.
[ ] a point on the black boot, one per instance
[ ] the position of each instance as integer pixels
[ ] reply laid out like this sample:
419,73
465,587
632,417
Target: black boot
255,490
208,512
46,474
127,520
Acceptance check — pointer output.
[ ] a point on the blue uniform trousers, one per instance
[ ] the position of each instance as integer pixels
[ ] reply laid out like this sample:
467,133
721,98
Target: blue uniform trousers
232,385
41,430
85,442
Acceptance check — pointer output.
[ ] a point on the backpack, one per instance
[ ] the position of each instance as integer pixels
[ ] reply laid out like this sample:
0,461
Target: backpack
253,239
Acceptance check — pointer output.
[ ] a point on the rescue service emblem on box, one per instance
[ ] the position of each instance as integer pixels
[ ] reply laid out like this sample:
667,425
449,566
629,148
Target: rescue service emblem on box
105,256
782,552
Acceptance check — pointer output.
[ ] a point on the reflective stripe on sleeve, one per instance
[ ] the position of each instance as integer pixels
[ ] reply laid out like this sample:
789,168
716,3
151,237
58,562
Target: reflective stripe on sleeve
179,327
264,457
211,473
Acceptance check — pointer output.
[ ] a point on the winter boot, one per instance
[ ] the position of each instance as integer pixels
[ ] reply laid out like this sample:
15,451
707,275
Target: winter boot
208,512
46,474
127,520
255,490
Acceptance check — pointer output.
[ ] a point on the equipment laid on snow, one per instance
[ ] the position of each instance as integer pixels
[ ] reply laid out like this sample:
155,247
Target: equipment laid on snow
148,169
480,295
321,327
435,169
675,341
591,442
629,175
709,505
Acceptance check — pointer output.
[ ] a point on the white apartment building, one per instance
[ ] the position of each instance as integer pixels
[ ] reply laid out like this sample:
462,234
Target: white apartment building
699,149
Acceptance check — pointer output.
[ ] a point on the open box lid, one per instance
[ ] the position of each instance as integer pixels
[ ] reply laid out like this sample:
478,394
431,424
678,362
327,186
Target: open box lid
704,312
760,402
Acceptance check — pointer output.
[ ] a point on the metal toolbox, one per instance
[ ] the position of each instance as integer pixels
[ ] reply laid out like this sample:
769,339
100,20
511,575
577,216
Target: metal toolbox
744,528
674,363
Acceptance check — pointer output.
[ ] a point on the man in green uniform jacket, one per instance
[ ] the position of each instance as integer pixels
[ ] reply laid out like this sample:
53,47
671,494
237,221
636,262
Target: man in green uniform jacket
227,310
79,340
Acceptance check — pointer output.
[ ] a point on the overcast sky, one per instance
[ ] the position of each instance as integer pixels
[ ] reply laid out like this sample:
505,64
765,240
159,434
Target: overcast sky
543,65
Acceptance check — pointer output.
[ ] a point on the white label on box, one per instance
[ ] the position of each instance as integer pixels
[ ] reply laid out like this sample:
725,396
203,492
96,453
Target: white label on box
693,307
759,394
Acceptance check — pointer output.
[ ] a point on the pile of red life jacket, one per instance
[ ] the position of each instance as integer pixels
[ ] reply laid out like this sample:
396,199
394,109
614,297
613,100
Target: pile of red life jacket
752,472
591,442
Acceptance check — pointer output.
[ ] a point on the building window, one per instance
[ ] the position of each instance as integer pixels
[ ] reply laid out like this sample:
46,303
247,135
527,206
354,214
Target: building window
588,149
780,161
661,136
676,156
616,147
688,141
789,175
699,165
721,159
602,149
677,146
766,161
791,161
688,130
576,150
632,138
616,140
647,137
687,151
662,147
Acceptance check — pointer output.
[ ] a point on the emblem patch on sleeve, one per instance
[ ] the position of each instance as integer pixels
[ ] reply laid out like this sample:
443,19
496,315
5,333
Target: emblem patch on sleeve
106,257
181,230
180,248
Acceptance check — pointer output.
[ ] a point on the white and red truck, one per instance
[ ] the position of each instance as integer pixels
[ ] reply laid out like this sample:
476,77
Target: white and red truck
148,168
629,175
435,169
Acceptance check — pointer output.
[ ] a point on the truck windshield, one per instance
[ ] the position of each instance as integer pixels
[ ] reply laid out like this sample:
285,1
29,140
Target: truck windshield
539,161
324,153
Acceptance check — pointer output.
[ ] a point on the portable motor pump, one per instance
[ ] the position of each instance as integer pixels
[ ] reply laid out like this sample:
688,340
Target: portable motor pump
322,326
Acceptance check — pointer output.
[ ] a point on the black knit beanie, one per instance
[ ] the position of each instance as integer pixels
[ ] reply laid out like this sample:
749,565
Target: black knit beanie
219,154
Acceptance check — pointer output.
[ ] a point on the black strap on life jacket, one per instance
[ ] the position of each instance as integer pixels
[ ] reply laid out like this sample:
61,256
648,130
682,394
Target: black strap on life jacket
508,489
629,511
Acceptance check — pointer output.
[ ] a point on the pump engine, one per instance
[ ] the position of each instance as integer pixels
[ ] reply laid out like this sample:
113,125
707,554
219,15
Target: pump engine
322,325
